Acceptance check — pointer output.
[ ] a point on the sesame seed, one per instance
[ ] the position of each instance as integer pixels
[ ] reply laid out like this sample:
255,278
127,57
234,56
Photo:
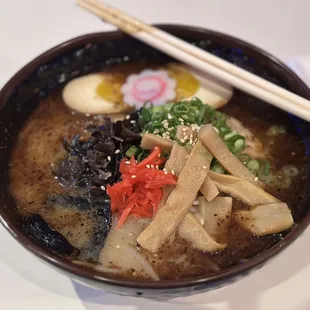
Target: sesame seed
148,166
152,166
73,112
293,153
127,116
117,246
181,119
117,151
182,140
156,147
157,166
102,187
185,137
172,171
164,169
169,116
184,129
204,167
195,203
109,158
127,162
256,179
132,121
87,115
133,176
165,172
56,178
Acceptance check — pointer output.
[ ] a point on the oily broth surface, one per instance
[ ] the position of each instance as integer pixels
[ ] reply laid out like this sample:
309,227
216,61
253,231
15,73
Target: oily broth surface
39,147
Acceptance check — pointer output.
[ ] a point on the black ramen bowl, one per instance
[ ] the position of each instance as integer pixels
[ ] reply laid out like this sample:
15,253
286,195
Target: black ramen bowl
94,52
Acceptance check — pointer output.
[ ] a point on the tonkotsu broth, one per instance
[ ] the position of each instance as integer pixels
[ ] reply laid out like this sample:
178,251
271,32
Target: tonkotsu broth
39,148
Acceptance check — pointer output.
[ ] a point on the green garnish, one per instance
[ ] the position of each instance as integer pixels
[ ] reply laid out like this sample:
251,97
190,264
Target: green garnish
253,166
218,168
132,151
265,168
245,158
276,130
163,121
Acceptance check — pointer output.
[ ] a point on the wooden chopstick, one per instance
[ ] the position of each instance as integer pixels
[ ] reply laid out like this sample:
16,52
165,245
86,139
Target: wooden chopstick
202,60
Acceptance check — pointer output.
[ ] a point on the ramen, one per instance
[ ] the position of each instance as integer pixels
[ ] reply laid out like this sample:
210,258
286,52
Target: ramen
148,171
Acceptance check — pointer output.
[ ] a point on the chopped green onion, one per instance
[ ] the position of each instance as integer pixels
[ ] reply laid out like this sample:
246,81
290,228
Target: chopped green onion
239,144
163,120
218,168
146,116
230,135
142,155
264,167
224,130
253,166
203,111
244,158
290,171
131,151
276,130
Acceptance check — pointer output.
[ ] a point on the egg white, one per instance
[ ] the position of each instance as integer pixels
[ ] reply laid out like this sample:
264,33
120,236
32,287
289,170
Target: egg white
213,92
80,95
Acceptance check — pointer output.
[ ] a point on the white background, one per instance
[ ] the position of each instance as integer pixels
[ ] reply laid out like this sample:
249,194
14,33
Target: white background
29,27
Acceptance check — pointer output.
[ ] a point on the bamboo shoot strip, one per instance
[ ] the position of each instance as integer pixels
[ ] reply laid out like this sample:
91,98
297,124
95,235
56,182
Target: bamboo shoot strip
180,200
193,232
219,150
178,155
217,215
265,219
250,194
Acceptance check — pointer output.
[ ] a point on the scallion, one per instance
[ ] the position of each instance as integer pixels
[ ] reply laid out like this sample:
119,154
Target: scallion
276,130
238,145
131,151
218,168
253,166
244,158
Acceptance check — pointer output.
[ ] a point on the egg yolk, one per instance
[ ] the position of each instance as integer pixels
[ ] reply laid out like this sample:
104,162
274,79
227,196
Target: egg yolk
110,88
187,84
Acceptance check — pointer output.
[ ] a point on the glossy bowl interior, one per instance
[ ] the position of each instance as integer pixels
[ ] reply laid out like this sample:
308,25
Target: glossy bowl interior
94,52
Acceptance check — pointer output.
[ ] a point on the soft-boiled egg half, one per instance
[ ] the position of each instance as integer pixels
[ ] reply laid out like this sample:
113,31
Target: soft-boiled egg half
97,93
194,83
110,93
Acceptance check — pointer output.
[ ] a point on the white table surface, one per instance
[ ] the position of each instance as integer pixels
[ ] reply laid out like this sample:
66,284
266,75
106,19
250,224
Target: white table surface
29,27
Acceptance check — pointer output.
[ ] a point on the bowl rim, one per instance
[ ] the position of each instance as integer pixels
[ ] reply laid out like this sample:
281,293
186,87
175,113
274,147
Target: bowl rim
91,274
